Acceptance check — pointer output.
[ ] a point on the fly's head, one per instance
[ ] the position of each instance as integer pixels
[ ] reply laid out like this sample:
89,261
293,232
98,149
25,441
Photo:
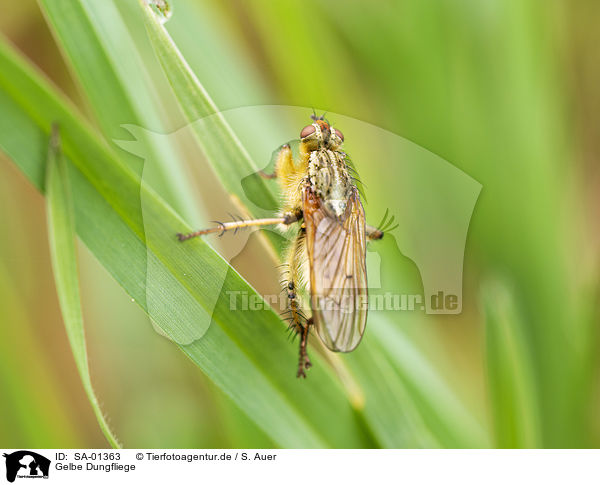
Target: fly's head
321,136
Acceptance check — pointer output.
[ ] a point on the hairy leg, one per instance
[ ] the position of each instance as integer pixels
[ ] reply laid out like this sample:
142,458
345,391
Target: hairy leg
283,165
222,227
298,322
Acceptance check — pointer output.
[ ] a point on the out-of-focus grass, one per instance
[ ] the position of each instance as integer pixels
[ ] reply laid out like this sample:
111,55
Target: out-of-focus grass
61,238
27,323
483,85
513,391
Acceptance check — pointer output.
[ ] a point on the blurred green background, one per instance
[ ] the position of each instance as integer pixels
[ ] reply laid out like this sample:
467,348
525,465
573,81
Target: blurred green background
505,90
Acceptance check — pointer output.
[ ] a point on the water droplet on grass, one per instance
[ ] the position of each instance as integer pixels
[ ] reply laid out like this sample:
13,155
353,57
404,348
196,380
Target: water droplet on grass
161,8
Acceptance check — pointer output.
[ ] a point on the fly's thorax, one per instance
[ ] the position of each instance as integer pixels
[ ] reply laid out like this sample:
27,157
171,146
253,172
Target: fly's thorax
330,180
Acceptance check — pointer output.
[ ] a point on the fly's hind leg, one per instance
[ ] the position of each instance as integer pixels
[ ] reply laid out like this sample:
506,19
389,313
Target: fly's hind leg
298,322
301,326
303,360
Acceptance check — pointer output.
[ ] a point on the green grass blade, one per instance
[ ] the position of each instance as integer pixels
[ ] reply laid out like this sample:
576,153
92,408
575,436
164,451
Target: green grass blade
513,390
390,409
229,159
446,418
230,76
123,86
245,353
61,234
33,422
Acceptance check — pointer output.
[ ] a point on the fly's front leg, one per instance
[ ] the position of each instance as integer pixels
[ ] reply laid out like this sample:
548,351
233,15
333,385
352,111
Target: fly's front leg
283,165
298,322
222,227
284,170
266,175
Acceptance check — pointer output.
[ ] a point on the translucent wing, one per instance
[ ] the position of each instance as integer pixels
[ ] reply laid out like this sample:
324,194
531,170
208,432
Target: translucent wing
338,277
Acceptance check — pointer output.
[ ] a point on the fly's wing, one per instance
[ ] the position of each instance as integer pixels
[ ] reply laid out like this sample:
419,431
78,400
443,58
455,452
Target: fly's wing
336,251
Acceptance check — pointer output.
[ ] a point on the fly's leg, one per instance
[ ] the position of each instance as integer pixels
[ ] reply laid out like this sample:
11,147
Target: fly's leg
222,227
373,234
284,164
298,322
266,175
303,360
300,325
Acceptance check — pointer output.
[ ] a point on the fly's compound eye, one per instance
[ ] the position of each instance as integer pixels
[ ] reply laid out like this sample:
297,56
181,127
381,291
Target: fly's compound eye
307,130
340,134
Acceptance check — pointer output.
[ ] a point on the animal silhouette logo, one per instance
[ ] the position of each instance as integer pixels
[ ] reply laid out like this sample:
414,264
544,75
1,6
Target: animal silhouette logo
430,199
26,463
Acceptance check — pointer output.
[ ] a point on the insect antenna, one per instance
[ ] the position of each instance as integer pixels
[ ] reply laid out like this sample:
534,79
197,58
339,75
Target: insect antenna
314,117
